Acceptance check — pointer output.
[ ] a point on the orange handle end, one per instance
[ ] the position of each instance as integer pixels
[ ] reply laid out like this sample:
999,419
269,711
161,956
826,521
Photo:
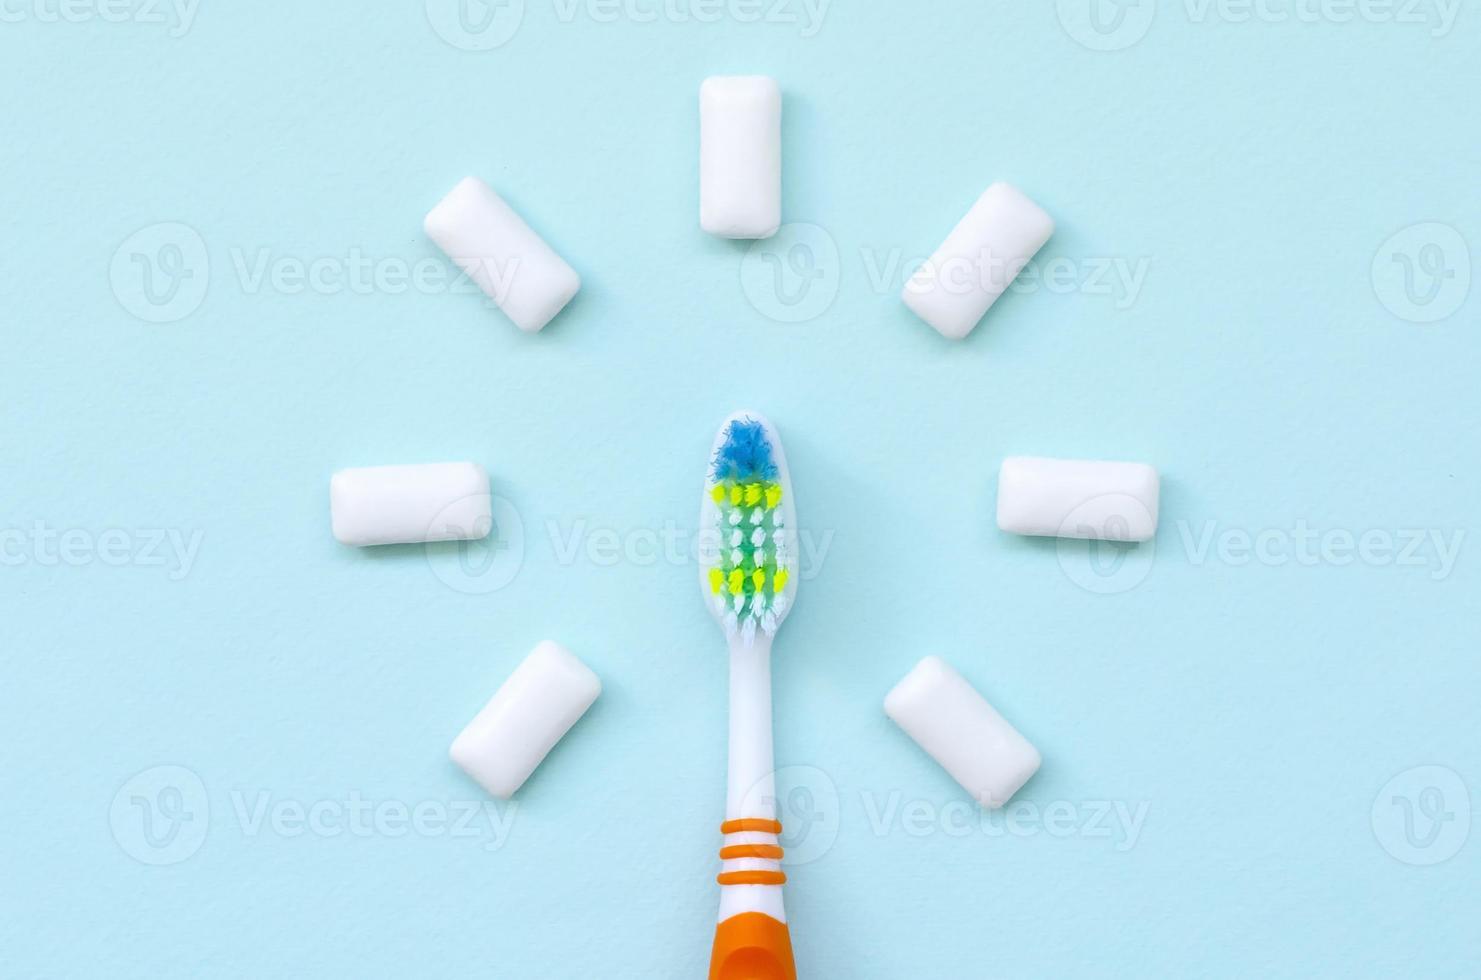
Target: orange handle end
752,946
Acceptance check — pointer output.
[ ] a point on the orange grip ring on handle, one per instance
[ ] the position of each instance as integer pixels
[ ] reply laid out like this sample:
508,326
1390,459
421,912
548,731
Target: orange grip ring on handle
752,878
751,825
752,946
767,852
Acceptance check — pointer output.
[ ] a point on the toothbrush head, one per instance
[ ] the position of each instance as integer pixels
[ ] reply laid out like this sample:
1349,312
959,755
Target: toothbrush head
748,530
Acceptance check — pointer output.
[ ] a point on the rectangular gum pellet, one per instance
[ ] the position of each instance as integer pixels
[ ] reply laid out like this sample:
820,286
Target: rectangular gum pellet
378,505
740,156
956,726
532,711
1070,498
501,253
979,260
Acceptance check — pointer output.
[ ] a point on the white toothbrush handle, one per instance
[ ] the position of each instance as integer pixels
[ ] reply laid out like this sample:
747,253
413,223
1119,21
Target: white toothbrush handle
752,784
752,939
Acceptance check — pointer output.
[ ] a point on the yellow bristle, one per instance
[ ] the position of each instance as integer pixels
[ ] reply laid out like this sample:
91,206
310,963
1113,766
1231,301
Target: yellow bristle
737,581
718,494
773,495
717,579
779,581
735,495
758,579
753,494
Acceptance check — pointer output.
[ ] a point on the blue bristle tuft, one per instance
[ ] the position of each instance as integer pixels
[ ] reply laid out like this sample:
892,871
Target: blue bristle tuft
746,453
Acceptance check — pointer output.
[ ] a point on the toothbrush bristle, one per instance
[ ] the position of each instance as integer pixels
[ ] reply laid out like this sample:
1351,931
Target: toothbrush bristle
745,454
746,578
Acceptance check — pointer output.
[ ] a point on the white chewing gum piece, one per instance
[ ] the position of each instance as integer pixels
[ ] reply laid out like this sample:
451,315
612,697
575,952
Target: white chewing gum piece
532,711
377,505
958,728
740,156
979,260
502,254
1069,498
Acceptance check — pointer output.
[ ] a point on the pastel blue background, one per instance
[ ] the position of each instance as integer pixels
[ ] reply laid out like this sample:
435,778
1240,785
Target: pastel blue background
1254,710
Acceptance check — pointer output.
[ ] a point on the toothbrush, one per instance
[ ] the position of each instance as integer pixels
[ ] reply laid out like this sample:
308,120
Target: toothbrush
748,576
